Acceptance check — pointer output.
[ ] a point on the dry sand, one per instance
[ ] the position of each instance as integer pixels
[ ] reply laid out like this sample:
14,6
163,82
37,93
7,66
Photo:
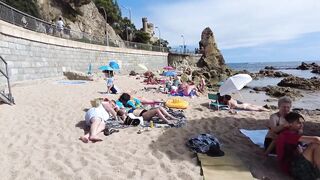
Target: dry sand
39,137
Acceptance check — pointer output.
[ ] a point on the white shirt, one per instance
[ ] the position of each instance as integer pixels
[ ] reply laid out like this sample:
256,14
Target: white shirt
60,25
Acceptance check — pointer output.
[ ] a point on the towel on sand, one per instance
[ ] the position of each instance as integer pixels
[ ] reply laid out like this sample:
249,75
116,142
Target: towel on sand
256,136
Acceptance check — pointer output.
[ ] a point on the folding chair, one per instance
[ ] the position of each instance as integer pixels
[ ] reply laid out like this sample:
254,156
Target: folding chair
215,103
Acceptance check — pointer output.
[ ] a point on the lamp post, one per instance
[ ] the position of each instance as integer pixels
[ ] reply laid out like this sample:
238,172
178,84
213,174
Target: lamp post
106,18
159,37
129,19
184,44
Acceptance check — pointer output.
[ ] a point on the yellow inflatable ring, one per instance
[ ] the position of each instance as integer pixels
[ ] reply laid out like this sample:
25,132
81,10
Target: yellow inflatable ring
177,103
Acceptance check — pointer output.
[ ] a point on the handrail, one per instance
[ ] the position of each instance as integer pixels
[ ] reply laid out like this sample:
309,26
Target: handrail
19,18
6,74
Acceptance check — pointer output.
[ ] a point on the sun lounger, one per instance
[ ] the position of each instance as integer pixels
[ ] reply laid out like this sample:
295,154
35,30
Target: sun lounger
215,103
227,167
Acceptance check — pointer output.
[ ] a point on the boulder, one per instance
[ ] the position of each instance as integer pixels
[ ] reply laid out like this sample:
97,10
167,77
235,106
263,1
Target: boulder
271,73
306,66
276,91
300,83
270,68
75,75
316,70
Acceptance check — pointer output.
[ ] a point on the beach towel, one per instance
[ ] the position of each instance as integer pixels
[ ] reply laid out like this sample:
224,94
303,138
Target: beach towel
175,113
256,136
227,167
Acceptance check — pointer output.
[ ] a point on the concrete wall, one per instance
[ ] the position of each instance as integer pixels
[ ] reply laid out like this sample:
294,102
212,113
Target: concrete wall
32,55
183,59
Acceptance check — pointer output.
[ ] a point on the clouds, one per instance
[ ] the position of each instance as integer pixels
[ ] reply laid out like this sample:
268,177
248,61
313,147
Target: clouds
236,23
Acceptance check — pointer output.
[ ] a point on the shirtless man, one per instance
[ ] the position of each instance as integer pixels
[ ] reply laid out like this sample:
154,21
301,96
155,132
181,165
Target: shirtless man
235,104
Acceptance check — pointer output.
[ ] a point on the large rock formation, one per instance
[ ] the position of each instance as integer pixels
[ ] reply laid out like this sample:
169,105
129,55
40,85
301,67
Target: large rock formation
82,17
212,63
301,83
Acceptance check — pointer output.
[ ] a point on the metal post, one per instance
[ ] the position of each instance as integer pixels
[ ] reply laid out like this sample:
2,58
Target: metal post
129,19
184,44
159,37
106,18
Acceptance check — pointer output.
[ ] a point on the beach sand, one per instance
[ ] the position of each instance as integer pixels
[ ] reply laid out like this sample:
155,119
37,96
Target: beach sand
39,137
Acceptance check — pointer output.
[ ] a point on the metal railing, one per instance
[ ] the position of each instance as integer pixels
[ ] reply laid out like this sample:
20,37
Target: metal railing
19,18
7,97
183,51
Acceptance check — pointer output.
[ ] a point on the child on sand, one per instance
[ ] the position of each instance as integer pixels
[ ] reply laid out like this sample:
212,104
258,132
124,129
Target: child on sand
299,161
110,81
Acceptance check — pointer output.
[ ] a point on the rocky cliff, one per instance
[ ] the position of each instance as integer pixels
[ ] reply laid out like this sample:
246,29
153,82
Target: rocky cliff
79,16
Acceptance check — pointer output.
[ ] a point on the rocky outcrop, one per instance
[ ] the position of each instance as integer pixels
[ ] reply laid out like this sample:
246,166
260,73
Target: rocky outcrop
280,91
271,73
306,66
75,75
270,68
300,83
212,65
82,17
316,70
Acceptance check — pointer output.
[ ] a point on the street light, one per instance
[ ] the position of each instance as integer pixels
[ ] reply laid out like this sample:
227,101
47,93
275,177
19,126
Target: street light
106,18
159,37
184,44
129,19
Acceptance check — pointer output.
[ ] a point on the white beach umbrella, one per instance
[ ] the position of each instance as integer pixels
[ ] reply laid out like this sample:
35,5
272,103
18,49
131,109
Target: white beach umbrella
234,84
142,66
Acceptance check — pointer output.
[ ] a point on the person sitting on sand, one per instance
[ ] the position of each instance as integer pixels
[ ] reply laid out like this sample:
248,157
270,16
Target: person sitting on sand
96,118
276,124
235,104
188,89
298,155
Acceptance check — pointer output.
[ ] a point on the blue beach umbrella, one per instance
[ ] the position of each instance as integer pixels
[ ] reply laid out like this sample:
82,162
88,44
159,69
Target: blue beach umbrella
106,68
169,73
114,65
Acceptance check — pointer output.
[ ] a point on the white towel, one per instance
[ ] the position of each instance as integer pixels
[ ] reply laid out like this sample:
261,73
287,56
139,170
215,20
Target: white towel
256,136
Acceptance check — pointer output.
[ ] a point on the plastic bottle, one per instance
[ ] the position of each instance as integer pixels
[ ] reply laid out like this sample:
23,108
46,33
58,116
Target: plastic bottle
151,124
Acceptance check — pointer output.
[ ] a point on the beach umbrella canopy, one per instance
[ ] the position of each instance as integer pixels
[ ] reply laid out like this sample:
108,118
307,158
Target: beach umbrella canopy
168,68
114,65
106,68
234,84
169,73
142,66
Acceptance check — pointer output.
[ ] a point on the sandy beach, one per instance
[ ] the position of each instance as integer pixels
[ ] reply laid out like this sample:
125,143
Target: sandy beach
40,137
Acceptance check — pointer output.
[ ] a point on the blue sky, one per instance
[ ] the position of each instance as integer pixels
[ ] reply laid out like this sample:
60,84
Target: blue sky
245,30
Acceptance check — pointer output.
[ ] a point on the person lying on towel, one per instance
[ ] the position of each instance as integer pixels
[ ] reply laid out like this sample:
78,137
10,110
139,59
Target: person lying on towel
235,104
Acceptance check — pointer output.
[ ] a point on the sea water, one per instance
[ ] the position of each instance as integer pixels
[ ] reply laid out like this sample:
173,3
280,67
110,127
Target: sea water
311,100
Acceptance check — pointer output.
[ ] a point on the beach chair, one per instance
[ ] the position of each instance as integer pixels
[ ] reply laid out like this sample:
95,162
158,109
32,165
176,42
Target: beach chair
215,103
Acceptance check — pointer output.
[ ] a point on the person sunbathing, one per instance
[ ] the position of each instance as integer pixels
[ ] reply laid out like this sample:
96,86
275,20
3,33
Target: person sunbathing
188,89
127,101
149,114
235,104
96,118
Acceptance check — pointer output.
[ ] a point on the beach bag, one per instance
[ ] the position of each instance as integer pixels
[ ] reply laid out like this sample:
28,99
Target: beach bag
205,143
133,120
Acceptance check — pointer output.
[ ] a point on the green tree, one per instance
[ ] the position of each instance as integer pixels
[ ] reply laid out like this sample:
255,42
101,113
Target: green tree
164,43
112,10
27,6
141,37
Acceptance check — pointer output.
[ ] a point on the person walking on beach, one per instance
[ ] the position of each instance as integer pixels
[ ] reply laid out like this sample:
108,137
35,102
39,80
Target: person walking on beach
96,118
110,81
298,155
276,124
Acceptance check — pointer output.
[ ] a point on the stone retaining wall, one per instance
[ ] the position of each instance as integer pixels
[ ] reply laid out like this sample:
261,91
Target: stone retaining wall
31,55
